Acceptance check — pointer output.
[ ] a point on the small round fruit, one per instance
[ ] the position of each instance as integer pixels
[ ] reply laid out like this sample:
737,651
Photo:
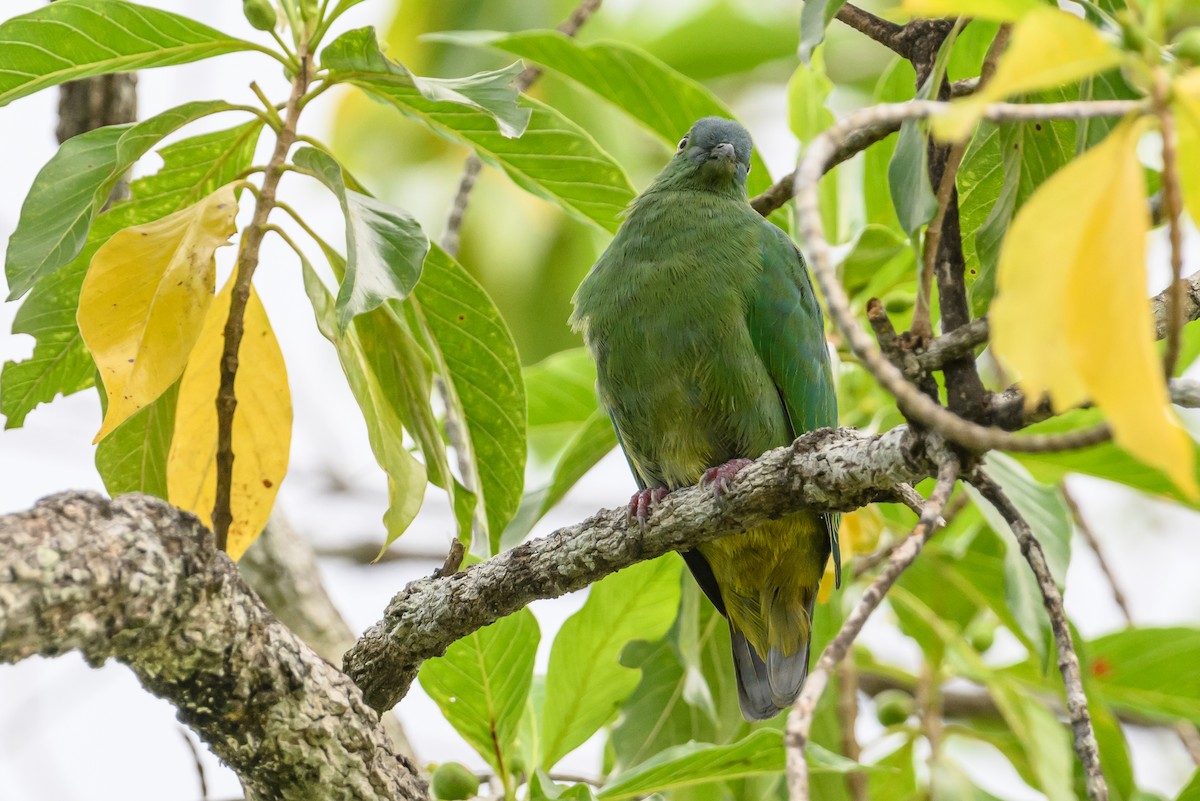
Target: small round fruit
260,13
893,707
453,781
1187,45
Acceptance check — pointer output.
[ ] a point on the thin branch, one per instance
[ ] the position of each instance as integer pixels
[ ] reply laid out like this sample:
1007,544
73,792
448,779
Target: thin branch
888,34
252,237
847,710
1089,537
1172,206
822,470
922,326
909,397
780,192
1084,737
799,721
139,581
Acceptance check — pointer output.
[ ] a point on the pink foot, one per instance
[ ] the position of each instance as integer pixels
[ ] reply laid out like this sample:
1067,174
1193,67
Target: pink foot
721,476
643,502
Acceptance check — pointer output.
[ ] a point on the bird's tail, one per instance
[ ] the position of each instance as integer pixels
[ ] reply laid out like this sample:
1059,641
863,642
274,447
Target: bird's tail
769,683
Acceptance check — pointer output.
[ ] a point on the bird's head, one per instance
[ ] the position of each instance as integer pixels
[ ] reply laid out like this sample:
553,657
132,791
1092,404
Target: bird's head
714,155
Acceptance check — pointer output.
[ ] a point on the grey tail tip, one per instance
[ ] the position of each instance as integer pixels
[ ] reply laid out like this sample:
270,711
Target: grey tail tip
766,688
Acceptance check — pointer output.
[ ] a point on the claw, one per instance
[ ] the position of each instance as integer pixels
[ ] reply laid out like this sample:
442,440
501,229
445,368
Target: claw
642,504
721,476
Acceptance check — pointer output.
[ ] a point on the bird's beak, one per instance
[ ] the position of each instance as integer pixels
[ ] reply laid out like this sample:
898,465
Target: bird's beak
723,151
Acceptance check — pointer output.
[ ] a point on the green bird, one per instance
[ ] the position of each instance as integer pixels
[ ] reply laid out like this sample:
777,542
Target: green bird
710,350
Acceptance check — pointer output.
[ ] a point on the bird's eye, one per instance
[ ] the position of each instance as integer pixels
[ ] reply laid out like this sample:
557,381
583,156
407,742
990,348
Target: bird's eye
682,145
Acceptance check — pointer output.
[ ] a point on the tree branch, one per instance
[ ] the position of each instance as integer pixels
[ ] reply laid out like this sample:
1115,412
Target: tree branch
222,515
1086,748
822,470
139,581
912,401
799,721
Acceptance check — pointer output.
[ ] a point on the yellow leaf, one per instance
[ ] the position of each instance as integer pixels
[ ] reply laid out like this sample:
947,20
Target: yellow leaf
1186,107
1048,48
1070,316
1000,10
144,299
262,424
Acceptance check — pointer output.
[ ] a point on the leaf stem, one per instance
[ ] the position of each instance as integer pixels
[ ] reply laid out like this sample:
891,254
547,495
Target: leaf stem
271,117
1172,207
222,516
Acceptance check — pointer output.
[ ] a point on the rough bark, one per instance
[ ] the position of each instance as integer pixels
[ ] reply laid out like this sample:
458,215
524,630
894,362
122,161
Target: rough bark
834,470
139,581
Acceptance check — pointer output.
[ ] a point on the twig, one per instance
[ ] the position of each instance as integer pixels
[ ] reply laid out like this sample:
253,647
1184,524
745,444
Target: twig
453,560
222,515
1089,537
780,192
799,721
1172,206
1086,748
865,564
915,403
466,183
888,34
847,709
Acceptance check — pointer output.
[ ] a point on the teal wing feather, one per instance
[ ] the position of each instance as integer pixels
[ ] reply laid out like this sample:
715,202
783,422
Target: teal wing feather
788,331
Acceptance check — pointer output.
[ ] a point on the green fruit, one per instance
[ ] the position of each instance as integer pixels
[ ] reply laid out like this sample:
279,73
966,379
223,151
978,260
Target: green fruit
1187,45
893,707
452,781
260,13
981,634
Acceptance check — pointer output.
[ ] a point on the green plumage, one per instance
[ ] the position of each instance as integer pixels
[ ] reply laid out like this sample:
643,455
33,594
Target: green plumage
709,346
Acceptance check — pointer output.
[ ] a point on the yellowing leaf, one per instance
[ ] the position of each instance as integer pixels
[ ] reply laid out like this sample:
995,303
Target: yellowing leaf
262,424
144,299
1048,48
1070,316
1186,107
1001,10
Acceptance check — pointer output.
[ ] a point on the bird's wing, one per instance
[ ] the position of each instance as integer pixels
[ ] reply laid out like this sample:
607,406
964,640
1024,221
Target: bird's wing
788,331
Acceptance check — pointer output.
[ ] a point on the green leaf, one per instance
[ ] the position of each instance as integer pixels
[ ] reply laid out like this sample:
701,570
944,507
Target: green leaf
1047,514
73,39
585,682
482,682
477,358
192,168
355,57
385,246
75,185
701,763
381,379
133,458
908,180
1141,671
894,86
1106,460
815,17
1001,169
1043,737
561,393
554,159
665,101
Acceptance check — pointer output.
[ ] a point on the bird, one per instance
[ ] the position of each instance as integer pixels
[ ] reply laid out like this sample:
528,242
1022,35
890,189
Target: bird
710,350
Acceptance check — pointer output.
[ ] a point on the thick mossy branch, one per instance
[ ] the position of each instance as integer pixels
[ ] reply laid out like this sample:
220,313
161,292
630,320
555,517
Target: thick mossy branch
836,470
139,581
